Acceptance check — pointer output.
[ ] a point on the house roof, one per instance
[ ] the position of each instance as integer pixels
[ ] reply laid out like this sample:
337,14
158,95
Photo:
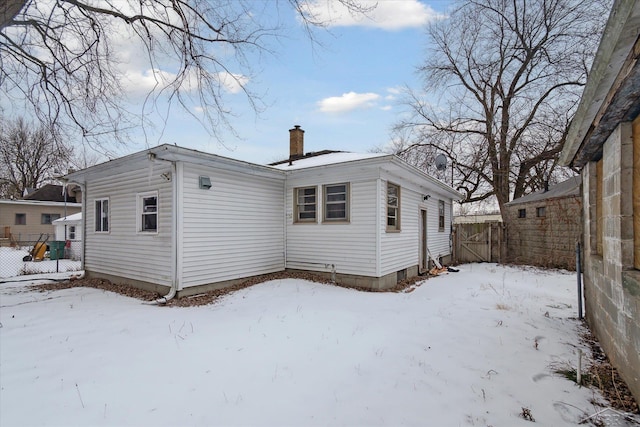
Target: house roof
329,158
171,153
39,203
168,152
612,92
50,193
568,188
307,155
69,218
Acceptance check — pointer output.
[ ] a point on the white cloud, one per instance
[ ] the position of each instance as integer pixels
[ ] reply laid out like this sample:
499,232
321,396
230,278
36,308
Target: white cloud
142,82
388,15
348,102
232,83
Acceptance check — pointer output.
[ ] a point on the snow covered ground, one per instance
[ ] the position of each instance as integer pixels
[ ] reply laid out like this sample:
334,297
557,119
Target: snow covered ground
11,264
465,349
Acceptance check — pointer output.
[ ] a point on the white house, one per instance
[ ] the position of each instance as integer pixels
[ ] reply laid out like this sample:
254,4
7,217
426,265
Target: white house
181,221
69,230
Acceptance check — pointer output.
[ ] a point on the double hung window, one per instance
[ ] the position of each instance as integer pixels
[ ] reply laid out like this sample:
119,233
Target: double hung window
393,207
306,204
148,212
336,202
102,215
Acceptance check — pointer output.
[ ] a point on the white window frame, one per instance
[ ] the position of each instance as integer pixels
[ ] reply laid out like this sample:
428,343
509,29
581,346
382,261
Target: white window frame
100,228
326,203
297,205
140,198
72,232
396,207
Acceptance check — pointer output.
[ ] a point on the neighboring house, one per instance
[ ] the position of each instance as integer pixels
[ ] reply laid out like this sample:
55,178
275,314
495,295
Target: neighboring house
544,226
604,143
55,193
173,219
23,221
69,230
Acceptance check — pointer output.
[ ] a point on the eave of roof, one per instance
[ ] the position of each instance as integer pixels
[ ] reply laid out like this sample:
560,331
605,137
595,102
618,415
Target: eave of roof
613,88
568,188
168,152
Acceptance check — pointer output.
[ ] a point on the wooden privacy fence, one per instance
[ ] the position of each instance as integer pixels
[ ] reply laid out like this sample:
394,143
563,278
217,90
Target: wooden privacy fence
481,242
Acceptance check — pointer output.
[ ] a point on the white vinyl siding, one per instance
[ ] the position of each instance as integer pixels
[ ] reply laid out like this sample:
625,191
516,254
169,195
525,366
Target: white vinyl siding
122,251
233,230
350,247
402,250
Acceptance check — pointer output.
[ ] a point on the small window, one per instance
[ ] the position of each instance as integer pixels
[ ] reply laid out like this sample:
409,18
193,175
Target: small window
540,211
522,213
148,212
336,202
306,204
393,207
46,218
440,215
72,232
21,219
102,215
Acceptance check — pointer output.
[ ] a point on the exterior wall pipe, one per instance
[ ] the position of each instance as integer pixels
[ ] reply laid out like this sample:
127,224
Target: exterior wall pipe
579,278
174,235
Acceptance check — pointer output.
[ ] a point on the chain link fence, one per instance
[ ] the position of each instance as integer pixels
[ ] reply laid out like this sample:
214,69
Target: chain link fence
38,255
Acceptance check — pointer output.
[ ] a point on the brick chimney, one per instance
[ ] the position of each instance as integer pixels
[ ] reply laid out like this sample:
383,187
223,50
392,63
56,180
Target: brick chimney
296,142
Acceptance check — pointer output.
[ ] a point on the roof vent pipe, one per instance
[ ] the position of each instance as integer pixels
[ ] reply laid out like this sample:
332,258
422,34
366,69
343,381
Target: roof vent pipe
296,143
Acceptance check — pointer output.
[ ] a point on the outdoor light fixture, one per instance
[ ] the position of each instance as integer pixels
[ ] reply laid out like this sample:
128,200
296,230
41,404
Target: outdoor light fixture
426,197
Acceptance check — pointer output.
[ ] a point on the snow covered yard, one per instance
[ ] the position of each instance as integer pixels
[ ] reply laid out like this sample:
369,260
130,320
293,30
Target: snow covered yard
11,264
465,349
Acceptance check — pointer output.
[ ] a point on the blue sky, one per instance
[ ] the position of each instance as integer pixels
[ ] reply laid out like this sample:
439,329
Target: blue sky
345,93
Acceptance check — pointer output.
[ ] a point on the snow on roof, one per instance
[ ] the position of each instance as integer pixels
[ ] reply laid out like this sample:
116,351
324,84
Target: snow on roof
327,159
70,218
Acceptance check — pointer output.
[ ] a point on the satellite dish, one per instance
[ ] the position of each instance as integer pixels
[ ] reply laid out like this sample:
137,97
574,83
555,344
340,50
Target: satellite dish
441,162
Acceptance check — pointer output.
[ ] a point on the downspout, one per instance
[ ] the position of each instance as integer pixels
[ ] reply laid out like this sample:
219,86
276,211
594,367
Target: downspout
174,238
378,226
284,230
83,189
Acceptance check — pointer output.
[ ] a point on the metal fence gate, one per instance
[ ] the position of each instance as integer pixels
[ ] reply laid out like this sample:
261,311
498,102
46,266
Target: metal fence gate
481,242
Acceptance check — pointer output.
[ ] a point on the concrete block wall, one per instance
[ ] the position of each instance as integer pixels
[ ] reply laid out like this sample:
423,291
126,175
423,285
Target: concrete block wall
548,241
612,285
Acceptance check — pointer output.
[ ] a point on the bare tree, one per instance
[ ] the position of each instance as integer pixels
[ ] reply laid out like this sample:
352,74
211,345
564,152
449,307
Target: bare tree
62,59
501,84
29,157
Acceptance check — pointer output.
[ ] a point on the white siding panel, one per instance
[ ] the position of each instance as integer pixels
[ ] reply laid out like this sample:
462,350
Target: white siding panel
233,230
401,250
351,247
123,251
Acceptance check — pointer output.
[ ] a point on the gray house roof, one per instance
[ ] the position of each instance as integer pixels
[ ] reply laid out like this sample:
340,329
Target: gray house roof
570,187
